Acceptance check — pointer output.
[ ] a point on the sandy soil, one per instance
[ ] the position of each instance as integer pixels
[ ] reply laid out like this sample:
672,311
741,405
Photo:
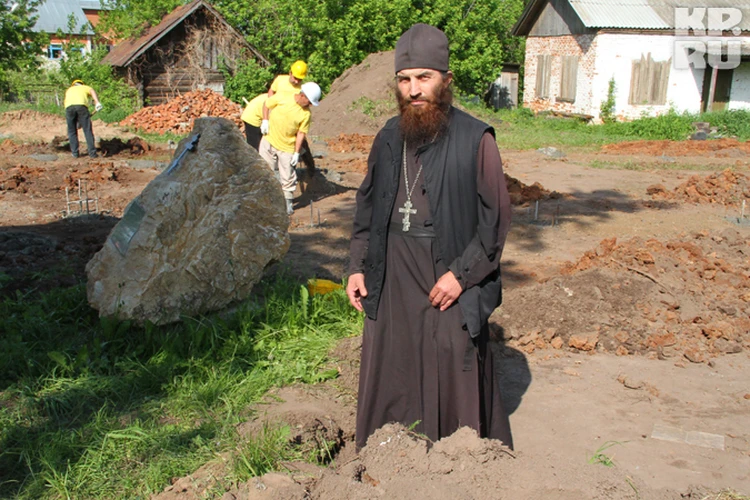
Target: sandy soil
625,319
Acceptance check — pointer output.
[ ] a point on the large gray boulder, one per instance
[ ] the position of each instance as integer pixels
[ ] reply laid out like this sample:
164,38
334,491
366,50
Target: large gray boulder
199,235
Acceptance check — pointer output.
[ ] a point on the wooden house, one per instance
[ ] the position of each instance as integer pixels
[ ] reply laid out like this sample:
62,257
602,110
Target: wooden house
184,52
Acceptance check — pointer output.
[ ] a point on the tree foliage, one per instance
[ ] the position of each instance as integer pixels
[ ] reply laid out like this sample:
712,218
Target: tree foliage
332,35
247,80
128,18
19,45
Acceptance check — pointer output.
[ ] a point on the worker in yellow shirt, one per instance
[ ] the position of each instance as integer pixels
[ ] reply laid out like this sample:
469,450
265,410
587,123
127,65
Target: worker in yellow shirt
289,125
291,83
288,85
253,117
77,114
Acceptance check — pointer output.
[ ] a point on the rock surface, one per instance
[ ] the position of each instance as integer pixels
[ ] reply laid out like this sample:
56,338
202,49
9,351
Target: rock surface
195,239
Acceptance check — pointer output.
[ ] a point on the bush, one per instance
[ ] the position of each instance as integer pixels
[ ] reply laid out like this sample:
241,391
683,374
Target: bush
730,123
248,80
672,126
607,109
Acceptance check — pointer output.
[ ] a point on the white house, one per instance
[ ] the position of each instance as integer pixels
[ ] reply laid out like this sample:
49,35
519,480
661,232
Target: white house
688,55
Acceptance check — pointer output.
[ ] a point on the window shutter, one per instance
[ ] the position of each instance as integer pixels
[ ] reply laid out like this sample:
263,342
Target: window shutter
568,77
543,70
648,81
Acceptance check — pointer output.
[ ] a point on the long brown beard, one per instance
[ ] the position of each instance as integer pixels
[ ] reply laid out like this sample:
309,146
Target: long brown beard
420,125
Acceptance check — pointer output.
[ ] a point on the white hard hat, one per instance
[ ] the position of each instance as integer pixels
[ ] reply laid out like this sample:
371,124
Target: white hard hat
312,92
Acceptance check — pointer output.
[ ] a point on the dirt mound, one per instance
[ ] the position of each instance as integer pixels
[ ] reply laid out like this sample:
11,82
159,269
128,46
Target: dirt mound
725,188
688,297
178,114
134,146
30,116
351,143
95,175
715,147
18,178
398,464
521,193
33,126
360,100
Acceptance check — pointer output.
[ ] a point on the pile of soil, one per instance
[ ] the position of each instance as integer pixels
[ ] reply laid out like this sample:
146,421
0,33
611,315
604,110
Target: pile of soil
178,114
135,146
96,174
19,178
725,188
714,147
360,100
35,127
351,143
521,194
688,297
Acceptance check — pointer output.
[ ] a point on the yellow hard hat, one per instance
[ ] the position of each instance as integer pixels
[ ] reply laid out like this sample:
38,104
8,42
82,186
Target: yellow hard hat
77,81
299,70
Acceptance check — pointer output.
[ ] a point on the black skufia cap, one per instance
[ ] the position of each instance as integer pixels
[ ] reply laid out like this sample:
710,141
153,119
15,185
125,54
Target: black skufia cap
422,46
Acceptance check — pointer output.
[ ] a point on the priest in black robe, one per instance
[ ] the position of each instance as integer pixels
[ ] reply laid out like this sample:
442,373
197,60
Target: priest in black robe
431,220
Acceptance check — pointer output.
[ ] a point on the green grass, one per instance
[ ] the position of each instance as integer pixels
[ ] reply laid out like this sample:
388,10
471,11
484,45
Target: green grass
94,408
163,138
599,458
650,166
374,109
42,108
521,129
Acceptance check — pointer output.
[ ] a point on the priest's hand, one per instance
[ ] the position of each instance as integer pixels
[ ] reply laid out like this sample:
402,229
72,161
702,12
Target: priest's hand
445,292
355,289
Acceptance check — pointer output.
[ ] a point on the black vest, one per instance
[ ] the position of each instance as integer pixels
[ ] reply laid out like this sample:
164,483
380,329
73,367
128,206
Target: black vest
450,180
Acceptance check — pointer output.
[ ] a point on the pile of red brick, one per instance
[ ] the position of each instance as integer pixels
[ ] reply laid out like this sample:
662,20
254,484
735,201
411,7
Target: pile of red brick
178,114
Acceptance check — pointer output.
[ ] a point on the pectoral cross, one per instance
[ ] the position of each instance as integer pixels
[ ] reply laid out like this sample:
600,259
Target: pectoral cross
407,211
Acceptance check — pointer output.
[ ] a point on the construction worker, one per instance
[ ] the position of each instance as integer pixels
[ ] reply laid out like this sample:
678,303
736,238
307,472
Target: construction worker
253,117
77,114
289,125
287,84
290,83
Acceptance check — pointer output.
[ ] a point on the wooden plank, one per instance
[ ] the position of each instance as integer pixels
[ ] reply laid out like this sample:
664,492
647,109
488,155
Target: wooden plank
543,67
568,77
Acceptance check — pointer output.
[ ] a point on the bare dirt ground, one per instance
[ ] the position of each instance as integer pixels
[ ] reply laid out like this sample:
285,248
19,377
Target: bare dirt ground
625,322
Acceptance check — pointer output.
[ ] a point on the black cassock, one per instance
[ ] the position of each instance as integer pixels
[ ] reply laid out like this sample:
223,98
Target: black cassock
418,365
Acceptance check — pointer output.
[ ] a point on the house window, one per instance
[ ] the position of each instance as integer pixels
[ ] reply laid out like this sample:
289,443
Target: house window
568,77
54,51
648,81
543,70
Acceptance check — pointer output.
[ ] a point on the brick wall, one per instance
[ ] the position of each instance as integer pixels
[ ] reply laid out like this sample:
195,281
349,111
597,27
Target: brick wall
583,46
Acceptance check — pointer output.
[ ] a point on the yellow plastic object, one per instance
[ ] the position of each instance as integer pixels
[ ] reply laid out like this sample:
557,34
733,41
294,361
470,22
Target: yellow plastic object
322,287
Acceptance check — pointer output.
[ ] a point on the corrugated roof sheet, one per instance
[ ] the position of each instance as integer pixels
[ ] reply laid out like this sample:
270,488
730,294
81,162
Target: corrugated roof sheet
127,51
632,14
54,14
618,14
92,4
